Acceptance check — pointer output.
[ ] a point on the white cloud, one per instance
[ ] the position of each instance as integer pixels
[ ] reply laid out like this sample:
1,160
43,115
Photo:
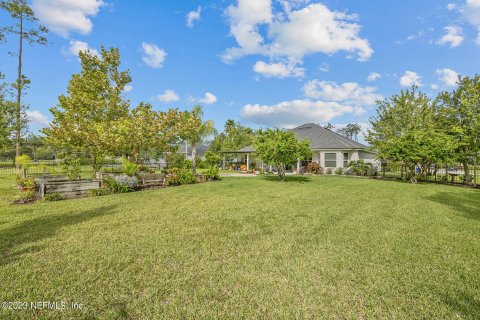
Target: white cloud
168,96
153,56
349,93
193,16
325,67
448,76
128,88
66,16
477,41
278,70
453,36
289,114
209,98
471,12
38,118
76,46
373,76
451,6
294,34
410,78
434,86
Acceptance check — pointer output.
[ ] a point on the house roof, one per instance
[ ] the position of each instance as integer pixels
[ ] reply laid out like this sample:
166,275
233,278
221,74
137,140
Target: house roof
322,138
201,149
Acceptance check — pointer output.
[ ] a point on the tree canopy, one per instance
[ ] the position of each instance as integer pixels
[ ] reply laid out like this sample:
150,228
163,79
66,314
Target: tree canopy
280,148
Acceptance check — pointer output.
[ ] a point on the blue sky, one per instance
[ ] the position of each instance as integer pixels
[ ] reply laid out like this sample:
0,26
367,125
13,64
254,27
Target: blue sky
260,62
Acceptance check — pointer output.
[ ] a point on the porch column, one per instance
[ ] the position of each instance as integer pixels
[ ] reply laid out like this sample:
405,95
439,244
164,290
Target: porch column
223,164
248,162
298,166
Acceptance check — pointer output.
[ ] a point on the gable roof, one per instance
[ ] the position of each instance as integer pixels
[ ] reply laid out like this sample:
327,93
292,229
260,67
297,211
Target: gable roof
322,138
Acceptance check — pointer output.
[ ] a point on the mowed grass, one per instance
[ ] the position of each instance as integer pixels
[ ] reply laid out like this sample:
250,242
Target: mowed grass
326,247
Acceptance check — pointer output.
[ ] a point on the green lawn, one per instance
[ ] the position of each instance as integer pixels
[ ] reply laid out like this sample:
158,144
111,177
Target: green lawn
326,247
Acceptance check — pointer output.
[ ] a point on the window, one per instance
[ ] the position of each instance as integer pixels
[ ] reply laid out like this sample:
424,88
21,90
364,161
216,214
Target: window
330,160
345,160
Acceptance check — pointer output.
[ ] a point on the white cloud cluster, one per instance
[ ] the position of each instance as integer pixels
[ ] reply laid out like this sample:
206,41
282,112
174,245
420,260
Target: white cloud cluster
66,16
453,36
128,88
292,34
349,93
410,78
373,76
38,118
193,16
153,56
471,12
289,114
168,96
75,47
208,98
279,70
448,76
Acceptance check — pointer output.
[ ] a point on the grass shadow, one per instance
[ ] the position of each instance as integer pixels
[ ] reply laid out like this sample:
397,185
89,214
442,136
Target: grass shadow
300,179
465,305
33,230
467,204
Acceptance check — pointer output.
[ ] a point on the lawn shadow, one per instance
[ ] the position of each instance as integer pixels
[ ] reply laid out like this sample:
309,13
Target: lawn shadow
301,179
467,204
464,304
33,230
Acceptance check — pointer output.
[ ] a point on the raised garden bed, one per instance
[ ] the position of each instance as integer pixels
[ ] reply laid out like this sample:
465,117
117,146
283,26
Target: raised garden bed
68,189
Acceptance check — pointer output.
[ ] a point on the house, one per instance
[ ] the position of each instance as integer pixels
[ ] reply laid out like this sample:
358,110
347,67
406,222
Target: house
329,149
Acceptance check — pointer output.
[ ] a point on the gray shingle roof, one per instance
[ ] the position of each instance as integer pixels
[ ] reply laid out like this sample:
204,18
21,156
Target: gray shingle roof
322,138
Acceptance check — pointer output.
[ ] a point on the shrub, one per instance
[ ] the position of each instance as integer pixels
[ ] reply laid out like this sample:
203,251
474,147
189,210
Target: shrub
329,171
145,169
98,192
54,197
339,171
26,197
359,167
213,173
212,158
186,176
130,181
129,168
122,184
23,161
26,183
187,164
172,179
71,167
175,160
314,168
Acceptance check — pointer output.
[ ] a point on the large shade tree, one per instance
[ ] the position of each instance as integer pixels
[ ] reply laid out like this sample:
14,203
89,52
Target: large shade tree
27,30
281,148
86,118
406,130
460,118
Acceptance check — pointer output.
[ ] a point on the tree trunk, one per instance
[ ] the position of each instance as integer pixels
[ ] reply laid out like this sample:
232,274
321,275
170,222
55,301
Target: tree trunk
94,165
18,126
281,172
466,170
194,155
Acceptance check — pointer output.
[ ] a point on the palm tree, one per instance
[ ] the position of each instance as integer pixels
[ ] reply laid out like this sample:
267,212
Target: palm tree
205,130
354,129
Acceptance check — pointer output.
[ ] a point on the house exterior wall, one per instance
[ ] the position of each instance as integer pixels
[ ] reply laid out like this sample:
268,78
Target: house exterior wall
319,157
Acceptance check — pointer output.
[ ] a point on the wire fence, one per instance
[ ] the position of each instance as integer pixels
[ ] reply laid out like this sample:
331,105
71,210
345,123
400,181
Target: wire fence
448,174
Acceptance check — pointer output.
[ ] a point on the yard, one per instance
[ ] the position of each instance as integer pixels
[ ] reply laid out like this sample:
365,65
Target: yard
320,247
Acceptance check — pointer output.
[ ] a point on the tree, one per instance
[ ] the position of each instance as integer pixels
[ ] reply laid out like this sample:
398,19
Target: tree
406,130
329,126
460,118
198,133
280,148
6,118
351,131
86,119
24,15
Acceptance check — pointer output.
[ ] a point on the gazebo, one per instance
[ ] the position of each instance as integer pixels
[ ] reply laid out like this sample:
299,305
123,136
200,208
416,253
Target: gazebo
248,151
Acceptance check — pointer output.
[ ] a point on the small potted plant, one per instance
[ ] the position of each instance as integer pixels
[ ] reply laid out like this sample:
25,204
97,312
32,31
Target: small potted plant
26,184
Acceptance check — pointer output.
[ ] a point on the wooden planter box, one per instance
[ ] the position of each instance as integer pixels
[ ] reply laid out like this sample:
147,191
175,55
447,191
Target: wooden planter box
69,189
103,175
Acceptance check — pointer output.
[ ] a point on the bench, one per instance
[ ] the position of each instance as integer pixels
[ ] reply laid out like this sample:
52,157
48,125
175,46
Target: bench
153,180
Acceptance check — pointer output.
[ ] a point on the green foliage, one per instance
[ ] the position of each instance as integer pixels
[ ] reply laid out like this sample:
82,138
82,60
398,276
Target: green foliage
71,167
187,164
84,120
129,168
53,197
361,168
339,171
26,197
98,192
213,173
172,178
175,160
26,183
24,161
234,137
407,130
351,131
186,176
329,171
122,184
280,148
212,158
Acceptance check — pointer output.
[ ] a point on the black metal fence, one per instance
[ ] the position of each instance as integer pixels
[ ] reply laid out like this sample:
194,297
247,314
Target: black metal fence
436,173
